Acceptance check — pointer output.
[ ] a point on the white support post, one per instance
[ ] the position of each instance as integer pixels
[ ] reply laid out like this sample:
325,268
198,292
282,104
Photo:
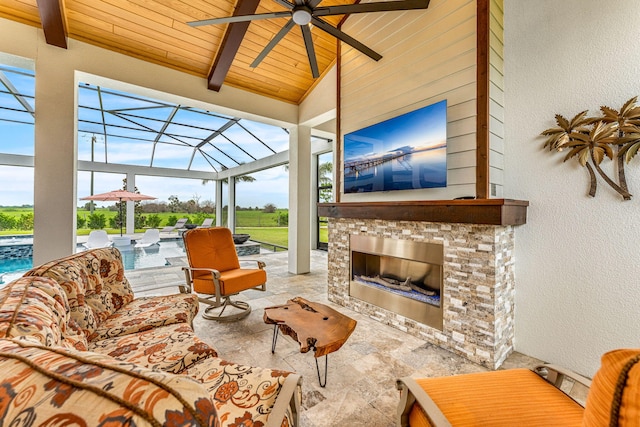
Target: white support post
55,161
130,224
231,213
300,200
219,203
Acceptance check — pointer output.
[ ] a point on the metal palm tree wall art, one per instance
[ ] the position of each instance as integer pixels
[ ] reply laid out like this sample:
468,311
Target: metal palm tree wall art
614,135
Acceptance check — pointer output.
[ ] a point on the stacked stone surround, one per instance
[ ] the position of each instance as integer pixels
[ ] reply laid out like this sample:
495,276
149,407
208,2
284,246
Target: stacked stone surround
248,248
478,275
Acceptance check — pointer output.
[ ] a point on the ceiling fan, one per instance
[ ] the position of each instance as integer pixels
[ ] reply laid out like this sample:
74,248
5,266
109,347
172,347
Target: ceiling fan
305,12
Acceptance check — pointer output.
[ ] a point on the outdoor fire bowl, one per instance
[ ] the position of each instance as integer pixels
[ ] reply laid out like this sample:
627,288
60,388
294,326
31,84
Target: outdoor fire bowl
239,239
190,226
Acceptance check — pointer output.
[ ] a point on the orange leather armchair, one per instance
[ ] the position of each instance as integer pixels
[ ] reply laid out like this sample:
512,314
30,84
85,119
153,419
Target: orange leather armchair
214,270
545,396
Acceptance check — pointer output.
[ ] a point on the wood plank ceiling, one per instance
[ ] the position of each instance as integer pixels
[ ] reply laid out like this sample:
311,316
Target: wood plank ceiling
156,31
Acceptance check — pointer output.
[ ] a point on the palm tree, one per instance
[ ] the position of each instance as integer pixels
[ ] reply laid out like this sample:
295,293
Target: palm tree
615,134
325,181
595,145
628,119
560,137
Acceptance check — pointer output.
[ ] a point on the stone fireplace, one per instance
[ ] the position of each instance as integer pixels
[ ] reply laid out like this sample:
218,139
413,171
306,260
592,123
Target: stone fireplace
475,311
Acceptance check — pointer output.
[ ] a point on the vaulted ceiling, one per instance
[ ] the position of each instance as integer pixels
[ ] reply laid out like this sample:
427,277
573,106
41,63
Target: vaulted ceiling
157,31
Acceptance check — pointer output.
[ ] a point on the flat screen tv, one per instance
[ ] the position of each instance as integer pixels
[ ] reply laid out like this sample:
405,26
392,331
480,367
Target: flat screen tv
406,152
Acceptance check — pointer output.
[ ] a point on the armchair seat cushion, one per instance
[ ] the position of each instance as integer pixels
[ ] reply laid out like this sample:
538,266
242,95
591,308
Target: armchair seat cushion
498,399
233,281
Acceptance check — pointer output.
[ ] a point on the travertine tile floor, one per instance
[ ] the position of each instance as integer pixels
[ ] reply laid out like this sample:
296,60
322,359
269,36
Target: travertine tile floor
360,389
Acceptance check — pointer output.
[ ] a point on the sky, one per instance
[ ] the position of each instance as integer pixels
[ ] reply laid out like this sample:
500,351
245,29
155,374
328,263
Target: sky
271,186
424,126
135,125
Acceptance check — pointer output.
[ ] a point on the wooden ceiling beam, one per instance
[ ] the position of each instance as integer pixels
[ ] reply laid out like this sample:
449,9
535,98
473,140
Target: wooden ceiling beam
52,19
230,44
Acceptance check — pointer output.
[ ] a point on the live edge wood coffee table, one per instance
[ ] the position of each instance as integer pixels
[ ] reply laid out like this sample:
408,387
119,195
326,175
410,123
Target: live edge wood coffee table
314,325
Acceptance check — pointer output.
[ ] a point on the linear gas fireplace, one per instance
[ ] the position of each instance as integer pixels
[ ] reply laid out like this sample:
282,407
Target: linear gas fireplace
402,276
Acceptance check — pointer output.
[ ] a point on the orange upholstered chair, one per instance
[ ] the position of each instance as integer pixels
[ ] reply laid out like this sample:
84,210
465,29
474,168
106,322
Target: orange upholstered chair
214,269
541,397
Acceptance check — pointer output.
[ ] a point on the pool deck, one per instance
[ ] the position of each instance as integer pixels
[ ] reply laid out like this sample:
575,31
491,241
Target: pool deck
247,249
173,235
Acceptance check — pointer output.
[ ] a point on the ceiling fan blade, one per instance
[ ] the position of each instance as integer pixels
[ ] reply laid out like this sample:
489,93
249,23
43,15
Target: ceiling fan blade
346,38
386,6
240,18
286,3
273,42
311,53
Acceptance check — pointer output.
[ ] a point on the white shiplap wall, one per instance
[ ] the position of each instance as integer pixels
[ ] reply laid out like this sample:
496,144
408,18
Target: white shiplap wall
496,99
427,56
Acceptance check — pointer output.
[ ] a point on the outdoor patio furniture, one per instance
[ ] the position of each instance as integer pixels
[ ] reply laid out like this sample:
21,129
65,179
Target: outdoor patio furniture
214,270
98,239
208,222
178,225
510,397
150,237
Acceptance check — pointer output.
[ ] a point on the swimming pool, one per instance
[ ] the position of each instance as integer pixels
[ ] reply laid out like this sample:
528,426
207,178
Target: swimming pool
132,258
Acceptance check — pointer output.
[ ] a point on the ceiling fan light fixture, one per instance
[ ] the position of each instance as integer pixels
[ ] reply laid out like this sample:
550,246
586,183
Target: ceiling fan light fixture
301,16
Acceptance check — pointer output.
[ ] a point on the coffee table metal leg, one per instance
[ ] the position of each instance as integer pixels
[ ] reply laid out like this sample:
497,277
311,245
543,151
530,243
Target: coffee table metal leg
274,339
326,357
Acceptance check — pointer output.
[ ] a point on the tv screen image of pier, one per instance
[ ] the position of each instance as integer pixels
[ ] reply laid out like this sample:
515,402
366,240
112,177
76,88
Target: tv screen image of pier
402,153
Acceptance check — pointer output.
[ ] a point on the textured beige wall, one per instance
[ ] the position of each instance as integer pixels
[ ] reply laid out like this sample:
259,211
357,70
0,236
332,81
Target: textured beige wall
577,269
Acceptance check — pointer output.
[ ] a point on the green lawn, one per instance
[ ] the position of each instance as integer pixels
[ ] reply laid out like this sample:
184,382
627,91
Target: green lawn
261,226
274,235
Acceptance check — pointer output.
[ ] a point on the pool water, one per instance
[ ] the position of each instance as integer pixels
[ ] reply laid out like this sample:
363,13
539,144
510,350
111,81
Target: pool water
132,258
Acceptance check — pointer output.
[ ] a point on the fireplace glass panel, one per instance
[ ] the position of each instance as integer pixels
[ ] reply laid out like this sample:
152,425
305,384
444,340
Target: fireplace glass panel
411,279
402,276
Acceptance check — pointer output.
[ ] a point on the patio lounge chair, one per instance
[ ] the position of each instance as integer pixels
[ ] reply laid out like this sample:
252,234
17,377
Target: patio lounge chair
178,225
214,270
150,237
98,239
206,223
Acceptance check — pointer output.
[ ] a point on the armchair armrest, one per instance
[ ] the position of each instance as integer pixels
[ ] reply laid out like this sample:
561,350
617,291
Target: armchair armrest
216,273
187,288
410,392
261,264
558,376
288,400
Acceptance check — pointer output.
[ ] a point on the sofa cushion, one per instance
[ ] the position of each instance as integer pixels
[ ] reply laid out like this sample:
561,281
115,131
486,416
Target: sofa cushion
146,313
94,282
614,395
55,386
243,395
171,348
497,399
37,308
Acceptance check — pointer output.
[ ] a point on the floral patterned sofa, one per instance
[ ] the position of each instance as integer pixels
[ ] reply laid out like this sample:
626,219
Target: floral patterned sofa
76,348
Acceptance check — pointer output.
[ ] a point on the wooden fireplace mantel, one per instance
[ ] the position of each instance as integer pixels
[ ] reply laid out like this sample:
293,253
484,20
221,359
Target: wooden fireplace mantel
475,211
